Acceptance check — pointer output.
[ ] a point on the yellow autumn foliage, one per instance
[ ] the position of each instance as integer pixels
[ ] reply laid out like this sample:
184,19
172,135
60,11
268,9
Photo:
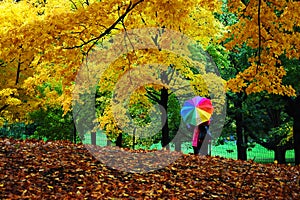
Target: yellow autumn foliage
47,43
277,36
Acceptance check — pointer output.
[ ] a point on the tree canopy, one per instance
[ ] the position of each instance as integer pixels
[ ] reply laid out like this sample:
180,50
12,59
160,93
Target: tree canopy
270,27
46,43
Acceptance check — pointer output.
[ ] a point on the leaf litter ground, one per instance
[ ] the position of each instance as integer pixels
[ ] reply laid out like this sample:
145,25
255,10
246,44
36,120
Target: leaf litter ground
32,169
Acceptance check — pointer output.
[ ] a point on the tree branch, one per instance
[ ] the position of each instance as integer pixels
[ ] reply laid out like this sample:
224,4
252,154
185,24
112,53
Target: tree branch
259,36
109,29
74,4
18,73
151,95
3,107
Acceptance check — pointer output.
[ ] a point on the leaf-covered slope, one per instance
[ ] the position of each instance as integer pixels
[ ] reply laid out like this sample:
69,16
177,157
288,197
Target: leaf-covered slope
62,170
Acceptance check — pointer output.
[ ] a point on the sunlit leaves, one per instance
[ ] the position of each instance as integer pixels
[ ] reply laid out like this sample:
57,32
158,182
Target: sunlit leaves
46,43
278,36
8,99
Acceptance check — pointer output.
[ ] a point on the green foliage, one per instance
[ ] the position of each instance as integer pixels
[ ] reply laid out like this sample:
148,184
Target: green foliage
265,116
51,124
173,115
226,18
142,118
197,52
16,130
284,130
220,56
293,72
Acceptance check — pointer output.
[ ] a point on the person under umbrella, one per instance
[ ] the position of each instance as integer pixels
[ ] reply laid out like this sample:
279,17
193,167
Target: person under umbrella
197,112
199,134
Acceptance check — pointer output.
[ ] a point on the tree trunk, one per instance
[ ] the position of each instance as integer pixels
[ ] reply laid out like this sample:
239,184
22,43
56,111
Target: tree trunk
164,96
280,154
119,140
296,129
279,151
93,138
74,132
240,143
296,135
293,109
18,72
133,138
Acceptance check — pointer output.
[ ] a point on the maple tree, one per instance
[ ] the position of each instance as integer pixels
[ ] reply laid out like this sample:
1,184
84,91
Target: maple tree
17,57
67,33
273,33
65,39
272,28
159,91
292,106
245,112
275,128
269,110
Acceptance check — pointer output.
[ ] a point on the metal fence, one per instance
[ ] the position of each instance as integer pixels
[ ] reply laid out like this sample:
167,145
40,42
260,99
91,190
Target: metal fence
229,150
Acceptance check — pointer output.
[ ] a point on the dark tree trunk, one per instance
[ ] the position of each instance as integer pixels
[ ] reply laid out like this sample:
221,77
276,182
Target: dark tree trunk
164,97
133,138
296,129
293,109
93,138
18,73
296,135
240,143
279,151
74,132
3,108
119,140
280,154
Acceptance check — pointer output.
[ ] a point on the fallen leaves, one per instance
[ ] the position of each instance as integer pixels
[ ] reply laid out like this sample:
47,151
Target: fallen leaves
33,169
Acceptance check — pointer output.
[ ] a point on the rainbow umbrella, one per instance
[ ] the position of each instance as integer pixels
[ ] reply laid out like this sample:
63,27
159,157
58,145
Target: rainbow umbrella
197,110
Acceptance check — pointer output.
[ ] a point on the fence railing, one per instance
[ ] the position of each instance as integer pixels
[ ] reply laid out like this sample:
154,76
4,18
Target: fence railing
229,150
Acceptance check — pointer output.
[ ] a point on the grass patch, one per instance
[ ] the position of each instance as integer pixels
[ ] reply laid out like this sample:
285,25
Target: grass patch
229,150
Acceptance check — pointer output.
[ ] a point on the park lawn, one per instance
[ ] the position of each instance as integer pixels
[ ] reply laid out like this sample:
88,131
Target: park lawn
258,153
32,169
228,150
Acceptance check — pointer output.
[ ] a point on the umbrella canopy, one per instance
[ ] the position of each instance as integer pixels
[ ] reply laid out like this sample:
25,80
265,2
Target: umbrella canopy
197,110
